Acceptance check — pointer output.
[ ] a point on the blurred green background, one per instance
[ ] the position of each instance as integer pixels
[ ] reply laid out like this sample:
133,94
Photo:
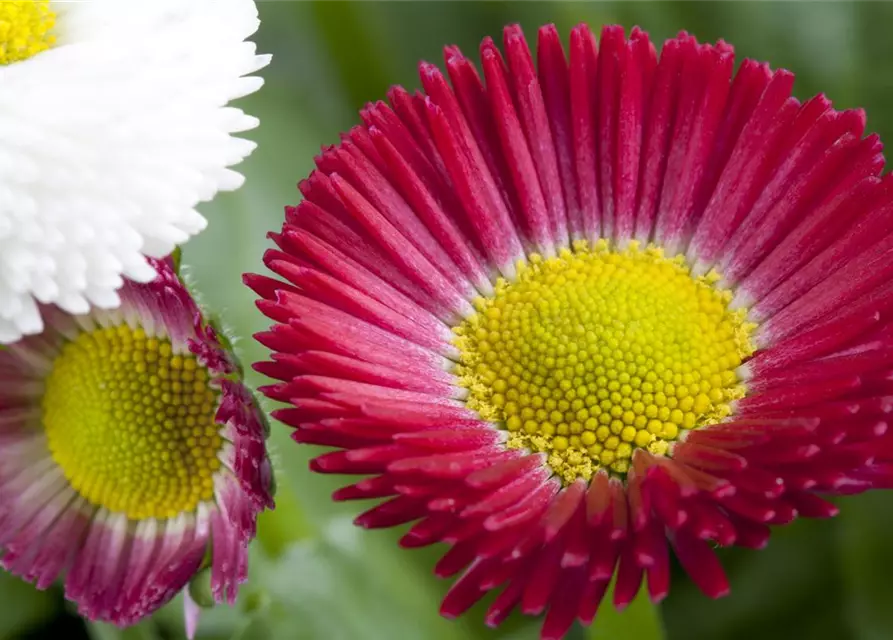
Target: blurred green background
314,576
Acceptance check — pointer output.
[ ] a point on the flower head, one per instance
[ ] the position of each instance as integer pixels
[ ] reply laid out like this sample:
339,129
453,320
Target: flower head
115,126
587,312
132,455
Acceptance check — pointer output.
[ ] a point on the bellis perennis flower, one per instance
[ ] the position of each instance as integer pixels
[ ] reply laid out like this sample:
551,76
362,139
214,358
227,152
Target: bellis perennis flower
578,314
114,126
131,455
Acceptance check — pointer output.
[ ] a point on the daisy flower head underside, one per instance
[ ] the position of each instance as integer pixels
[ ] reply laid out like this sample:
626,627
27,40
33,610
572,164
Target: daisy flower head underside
128,445
568,316
115,125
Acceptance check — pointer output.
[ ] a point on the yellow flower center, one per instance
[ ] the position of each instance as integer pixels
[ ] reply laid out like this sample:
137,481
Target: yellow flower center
597,352
131,423
25,29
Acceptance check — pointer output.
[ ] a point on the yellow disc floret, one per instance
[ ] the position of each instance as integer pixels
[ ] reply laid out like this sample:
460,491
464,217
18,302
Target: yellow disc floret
25,29
597,352
131,423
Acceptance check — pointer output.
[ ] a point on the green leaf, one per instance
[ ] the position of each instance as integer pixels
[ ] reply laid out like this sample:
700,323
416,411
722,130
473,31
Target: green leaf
349,31
253,629
866,556
342,586
288,523
639,621
143,631
790,589
21,606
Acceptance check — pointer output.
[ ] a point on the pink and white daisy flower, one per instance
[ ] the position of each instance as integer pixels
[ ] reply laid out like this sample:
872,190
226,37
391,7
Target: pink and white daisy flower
132,456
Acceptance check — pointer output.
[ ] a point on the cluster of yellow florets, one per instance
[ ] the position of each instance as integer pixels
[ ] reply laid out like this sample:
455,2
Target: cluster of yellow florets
131,423
25,29
596,352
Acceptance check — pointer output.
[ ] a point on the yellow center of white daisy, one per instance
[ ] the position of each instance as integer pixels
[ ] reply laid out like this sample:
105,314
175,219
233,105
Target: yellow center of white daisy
131,423
594,353
25,29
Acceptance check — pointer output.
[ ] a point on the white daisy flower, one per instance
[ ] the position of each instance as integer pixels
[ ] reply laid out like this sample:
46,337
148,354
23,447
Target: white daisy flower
114,125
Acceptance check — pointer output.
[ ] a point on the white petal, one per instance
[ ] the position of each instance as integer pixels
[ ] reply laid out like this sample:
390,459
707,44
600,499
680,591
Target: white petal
109,141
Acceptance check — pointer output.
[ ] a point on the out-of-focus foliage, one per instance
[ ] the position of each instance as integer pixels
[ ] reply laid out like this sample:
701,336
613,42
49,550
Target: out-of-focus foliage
313,575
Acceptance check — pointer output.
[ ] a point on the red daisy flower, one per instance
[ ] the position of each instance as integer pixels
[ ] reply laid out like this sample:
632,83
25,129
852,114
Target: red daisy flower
132,457
580,313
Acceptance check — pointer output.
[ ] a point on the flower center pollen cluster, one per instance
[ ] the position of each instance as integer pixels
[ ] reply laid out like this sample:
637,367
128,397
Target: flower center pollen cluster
25,29
596,352
131,423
